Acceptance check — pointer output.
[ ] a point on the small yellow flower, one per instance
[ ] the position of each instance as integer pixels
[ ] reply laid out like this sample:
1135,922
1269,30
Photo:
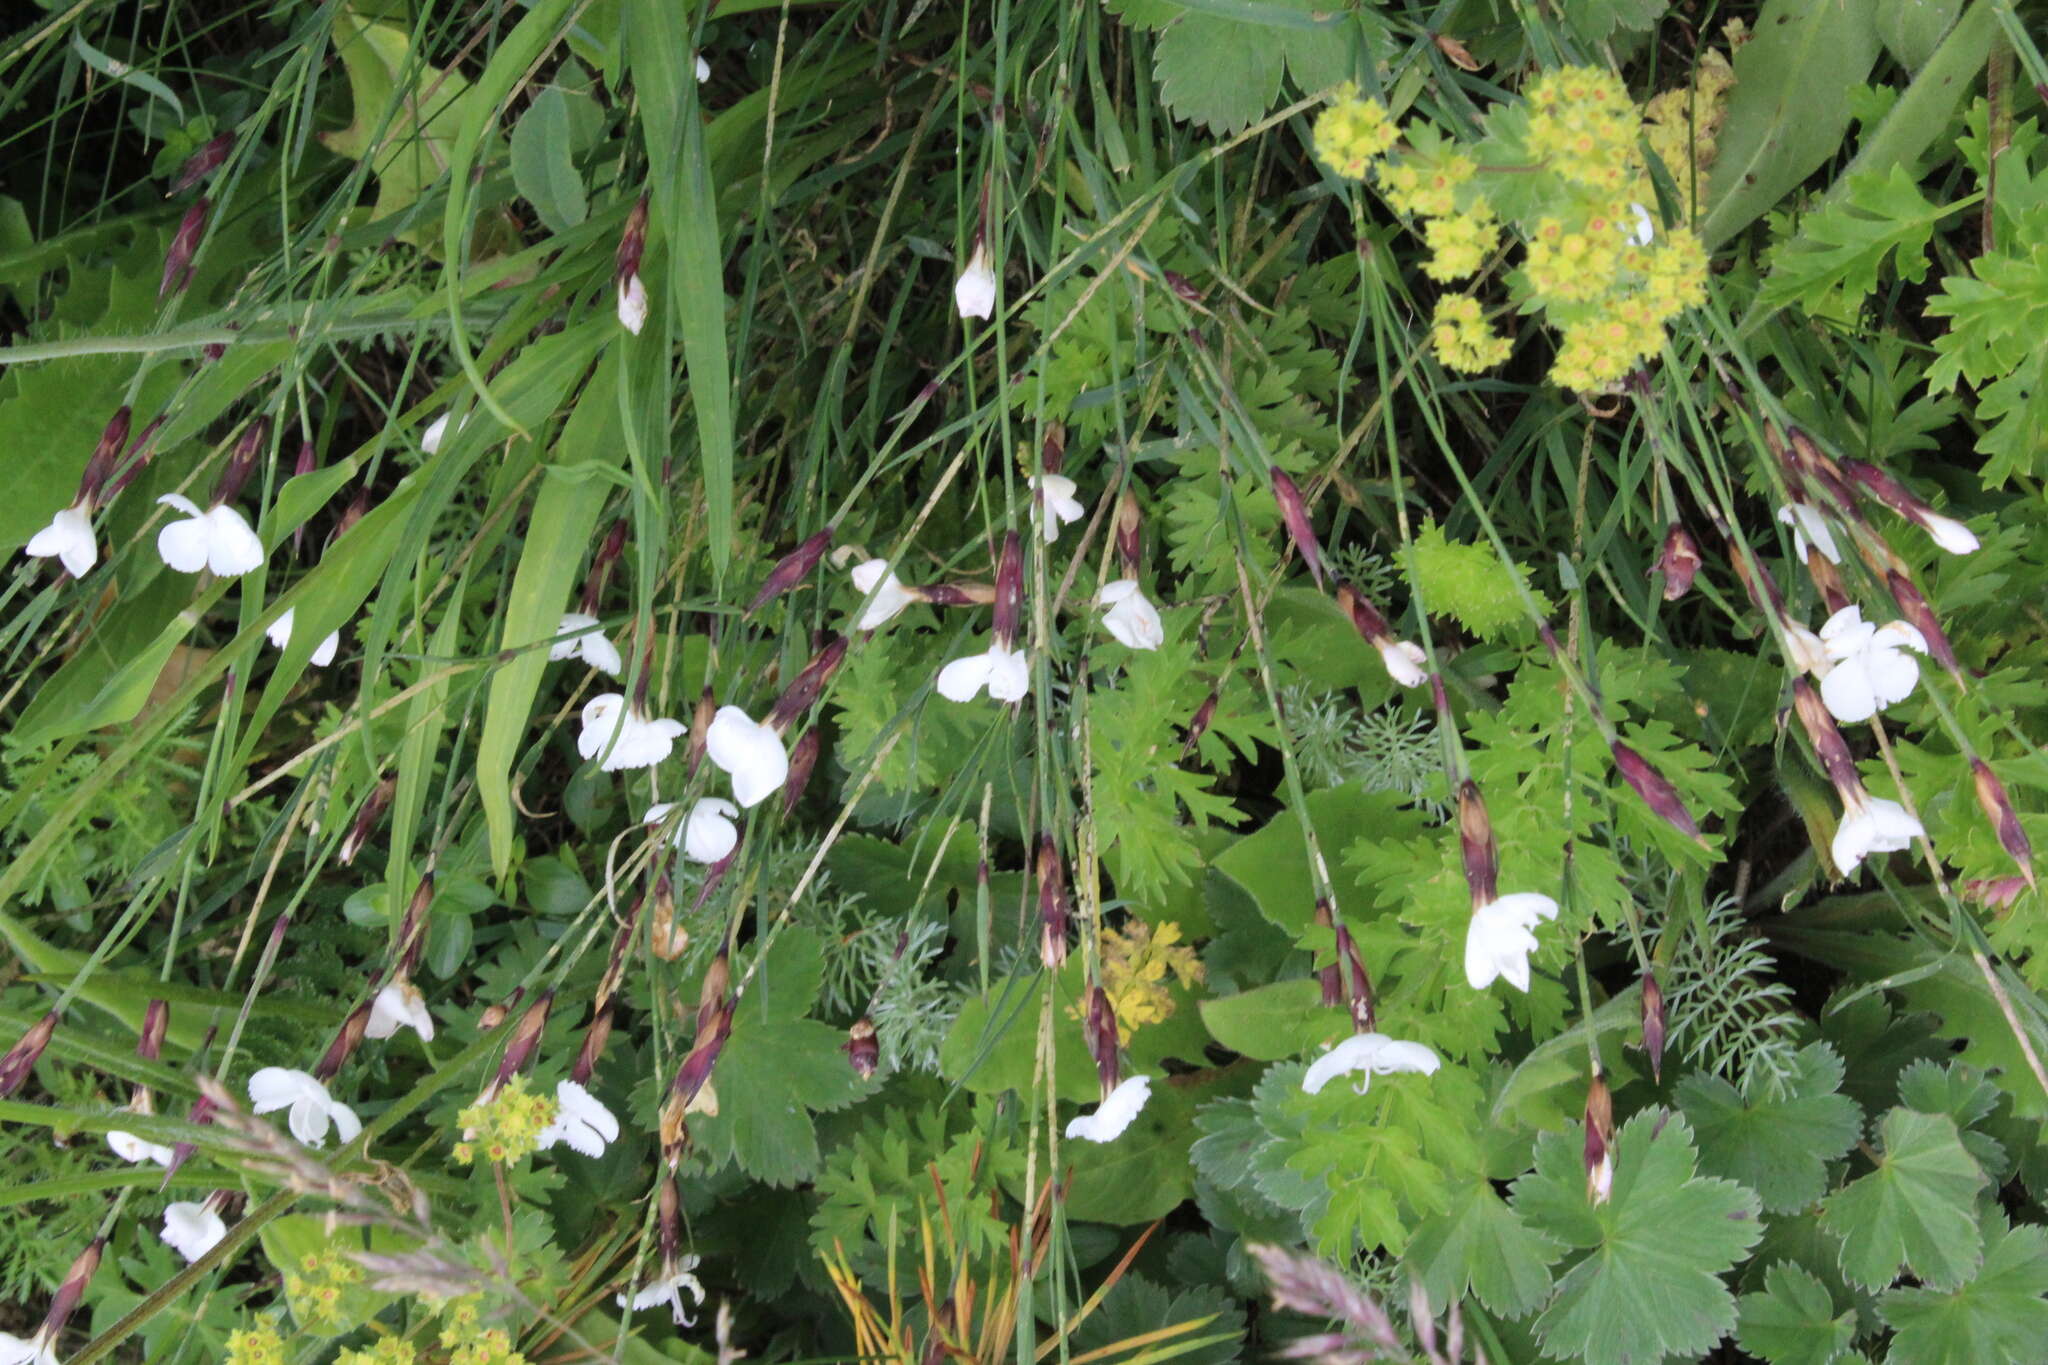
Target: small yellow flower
384,1351
315,1289
1462,339
255,1346
1426,185
1352,132
508,1127
1460,243
1136,964
1584,127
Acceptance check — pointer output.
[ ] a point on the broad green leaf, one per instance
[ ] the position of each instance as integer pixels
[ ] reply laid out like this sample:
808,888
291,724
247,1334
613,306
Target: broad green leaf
1793,1321
993,1044
1789,109
406,113
1318,45
1911,30
1922,114
2001,1314
1649,1284
1479,1244
1841,247
543,169
1960,1091
1272,864
1281,1019
1778,1147
1918,1208
1596,20
1145,1172
291,1242
118,700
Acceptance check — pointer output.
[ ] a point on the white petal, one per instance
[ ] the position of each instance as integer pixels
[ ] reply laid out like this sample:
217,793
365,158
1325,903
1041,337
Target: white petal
1949,534
1399,1055
962,678
603,717
1900,635
1806,651
750,753
974,293
345,1121
274,1087
1846,632
633,304
181,503
1808,525
399,1005
1133,620
601,654
192,1229
1115,592
280,630
569,635
135,1150
232,549
308,1120
709,835
1873,825
437,430
1500,939
1848,693
581,1121
1115,1113
1404,660
1643,232
323,653
1353,1054
1526,908
34,1350
1892,674
68,538
183,544
1009,674
703,71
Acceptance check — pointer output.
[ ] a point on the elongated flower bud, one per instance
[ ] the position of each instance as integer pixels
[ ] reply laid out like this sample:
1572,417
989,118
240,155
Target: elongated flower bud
595,1035
1655,789
1359,996
1679,562
1475,836
1950,534
666,939
862,1048
184,246
1009,605
670,1221
808,685
203,162
1923,619
1827,578
138,459
22,1057
156,1022
1653,1025
65,1301
1365,617
1828,744
1294,516
1330,978
524,1042
954,594
1052,905
1104,1041
803,757
792,569
255,441
366,819
1052,451
346,1040
105,456
1599,1140
1130,525
700,727
2004,819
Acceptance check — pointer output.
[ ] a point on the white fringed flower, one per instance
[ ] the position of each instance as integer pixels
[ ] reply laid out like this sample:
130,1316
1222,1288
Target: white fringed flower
1501,937
708,834
1871,824
632,304
580,638
750,753
68,538
626,738
1006,673
669,1289
1948,533
1114,1114
1056,504
313,1110
399,1005
582,1124
1375,1054
192,1229
36,1350
890,598
1871,667
216,539
974,293
135,1150
1808,525
280,633
1404,660
1130,618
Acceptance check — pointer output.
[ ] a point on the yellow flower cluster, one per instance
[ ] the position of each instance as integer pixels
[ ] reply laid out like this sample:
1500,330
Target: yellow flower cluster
1463,340
1135,966
1424,185
1682,126
469,1342
1583,125
384,1351
255,1346
1351,132
1459,242
508,1127
316,1287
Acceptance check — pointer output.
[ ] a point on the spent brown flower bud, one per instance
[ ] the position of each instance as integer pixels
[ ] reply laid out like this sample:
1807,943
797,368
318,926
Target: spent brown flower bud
105,456
1359,996
1655,789
1130,526
1198,724
366,819
595,1035
1653,1025
1052,451
1599,1153
1679,562
1104,1039
1052,905
803,758
955,594
1475,837
700,727
792,569
156,1022
1371,626
525,1040
22,1057
862,1048
1923,619
1827,741
632,242
65,1301
1330,978
1294,516
1009,605
346,1039
808,685
137,460
666,939
412,929
184,246
2004,819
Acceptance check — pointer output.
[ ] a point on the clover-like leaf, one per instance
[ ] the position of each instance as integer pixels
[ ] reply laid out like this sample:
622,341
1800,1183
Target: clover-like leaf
1480,1244
1917,1208
2001,1314
1778,1147
1793,1321
1649,1284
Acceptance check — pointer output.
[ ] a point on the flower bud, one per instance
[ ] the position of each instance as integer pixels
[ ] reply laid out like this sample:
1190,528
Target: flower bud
1599,1152
954,594
1998,810
366,819
105,456
808,685
1653,1025
1331,978
1052,905
1922,618
1656,791
792,569
632,241
595,1035
1482,855
1009,605
1052,452
666,939
184,246
1360,996
1827,579
1828,744
138,459
65,1301
863,1050
1198,724
346,1040
1365,617
1294,516
1129,533
803,757
1104,1041
203,162
525,1040
1679,562
1181,288
22,1057
156,1022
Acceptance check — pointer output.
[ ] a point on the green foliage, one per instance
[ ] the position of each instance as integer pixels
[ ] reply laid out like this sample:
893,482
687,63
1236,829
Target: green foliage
1840,249
1779,1144
2000,1314
1792,1321
1917,1208
1470,584
1316,48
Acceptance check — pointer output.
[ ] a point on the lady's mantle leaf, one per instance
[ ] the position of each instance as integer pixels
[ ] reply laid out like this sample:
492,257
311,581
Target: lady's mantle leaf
1649,1284
1479,1243
1793,1322
1918,1206
1778,1147
1999,1315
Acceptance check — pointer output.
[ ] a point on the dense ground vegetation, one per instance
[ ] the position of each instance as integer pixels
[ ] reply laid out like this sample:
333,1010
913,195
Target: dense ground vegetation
1176,679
